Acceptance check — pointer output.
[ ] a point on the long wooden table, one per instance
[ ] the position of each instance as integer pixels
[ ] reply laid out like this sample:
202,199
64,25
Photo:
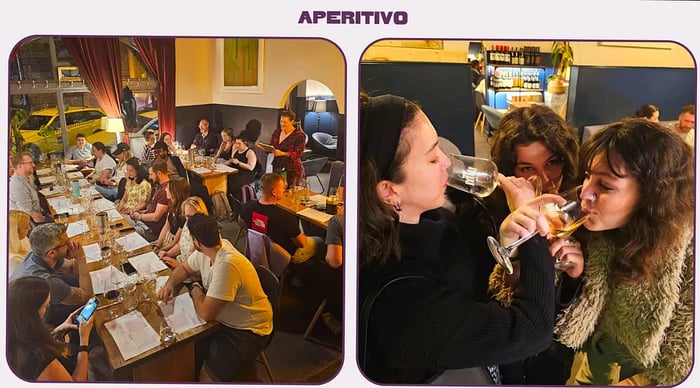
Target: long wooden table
213,180
290,203
161,363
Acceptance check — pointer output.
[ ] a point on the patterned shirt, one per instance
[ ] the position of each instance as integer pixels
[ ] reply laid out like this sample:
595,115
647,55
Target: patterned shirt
136,193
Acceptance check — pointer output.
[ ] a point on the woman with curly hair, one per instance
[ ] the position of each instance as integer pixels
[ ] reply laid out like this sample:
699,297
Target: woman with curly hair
177,192
632,324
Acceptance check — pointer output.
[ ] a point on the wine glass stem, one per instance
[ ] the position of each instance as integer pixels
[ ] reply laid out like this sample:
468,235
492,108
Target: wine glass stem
521,240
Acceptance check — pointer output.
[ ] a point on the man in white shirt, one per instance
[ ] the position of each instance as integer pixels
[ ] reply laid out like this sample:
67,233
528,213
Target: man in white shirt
231,294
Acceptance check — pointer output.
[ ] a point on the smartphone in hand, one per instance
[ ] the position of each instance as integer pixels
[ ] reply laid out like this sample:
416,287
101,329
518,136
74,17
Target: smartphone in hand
87,310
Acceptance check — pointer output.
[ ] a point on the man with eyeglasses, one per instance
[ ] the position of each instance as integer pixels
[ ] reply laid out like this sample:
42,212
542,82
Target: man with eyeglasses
23,193
63,264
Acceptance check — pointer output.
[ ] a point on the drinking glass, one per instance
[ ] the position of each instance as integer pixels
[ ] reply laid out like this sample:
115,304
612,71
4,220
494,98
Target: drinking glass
130,297
167,334
476,176
105,252
563,221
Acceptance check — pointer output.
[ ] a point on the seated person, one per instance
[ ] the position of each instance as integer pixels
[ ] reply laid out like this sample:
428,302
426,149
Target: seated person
34,351
23,193
80,154
181,247
230,294
176,170
62,262
114,186
18,242
149,137
105,165
178,192
137,190
149,222
283,227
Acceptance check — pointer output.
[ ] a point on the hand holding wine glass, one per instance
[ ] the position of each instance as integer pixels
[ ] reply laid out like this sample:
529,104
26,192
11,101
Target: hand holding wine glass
521,225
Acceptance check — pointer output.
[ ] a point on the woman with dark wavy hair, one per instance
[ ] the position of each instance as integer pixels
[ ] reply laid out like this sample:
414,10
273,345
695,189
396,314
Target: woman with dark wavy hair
426,324
633,322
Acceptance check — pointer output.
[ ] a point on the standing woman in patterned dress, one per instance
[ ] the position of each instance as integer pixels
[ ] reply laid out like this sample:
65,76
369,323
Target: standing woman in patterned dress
289,142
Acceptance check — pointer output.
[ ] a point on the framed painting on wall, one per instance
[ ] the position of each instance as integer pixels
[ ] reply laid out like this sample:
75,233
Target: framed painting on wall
242,64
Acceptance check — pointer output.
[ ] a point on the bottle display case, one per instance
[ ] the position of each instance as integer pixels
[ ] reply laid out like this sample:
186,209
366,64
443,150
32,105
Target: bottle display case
514,75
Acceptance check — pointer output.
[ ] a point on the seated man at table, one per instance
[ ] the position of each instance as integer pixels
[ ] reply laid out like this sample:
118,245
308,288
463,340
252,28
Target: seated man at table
63,264
149,154
23,193
176,170
230,294
149,223
80,154
282,226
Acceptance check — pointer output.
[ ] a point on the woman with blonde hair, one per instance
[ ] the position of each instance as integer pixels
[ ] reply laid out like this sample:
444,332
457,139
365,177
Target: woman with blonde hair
181,248
18,243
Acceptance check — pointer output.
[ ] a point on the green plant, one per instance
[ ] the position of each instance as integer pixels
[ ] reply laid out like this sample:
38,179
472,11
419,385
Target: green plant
18,117
562,58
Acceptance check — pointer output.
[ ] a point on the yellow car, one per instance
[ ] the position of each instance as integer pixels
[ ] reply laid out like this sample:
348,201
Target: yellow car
83,120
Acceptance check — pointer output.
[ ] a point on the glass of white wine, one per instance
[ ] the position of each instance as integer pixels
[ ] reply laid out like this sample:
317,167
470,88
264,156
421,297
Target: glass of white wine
476,176
563,221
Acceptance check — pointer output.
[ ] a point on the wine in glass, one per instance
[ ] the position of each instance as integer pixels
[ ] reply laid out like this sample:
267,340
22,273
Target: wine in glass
563,221
476,176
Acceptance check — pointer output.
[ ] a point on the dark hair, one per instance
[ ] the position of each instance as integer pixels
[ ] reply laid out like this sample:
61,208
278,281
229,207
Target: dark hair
204,229
536,123
179,191
163,135
289,114
688,109
100,146
663,166
80,135
141,172
27,336
646,111
379,222
160,145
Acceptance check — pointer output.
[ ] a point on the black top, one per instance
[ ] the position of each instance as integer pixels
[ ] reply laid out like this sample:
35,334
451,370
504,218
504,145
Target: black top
38,361
279,224
422,327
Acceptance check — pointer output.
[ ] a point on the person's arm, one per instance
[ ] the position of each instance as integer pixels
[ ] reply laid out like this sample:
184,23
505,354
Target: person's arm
175,243
56,372
252,160
300,240
218,152
334,255
298,149
163,232
178,276
160,212
207,308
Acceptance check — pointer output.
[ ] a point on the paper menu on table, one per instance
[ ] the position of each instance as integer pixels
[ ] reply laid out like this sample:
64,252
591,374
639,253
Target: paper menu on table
223,168
69,167
102,204
92,252
201,170
180,314
147,259
132,334
318,199
114,215
45,180
75,175
315,214
132,242
44,171
76,228
101,278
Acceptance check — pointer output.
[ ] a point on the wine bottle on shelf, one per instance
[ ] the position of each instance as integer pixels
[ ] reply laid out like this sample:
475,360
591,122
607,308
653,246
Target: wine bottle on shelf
521,59
538,57
506,58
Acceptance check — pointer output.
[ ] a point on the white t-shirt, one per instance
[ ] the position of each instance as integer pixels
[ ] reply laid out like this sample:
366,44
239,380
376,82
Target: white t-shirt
232,278
103,164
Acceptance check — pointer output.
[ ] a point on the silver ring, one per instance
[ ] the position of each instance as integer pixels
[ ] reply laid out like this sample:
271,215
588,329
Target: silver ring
570,242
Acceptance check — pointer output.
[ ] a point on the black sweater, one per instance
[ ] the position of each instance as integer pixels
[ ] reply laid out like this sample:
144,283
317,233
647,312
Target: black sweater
420,327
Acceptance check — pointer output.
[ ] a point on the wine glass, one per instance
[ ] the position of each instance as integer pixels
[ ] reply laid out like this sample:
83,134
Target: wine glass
167,334
476,176
130,297
563,221
105,252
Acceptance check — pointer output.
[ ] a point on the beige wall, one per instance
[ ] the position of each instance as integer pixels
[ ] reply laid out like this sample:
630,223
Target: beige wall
286,63
585,53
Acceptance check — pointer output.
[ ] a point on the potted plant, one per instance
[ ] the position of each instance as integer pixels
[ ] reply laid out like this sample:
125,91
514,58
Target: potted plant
562,58
17,120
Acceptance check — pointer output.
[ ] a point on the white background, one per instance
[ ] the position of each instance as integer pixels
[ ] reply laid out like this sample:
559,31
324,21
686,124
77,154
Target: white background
435,19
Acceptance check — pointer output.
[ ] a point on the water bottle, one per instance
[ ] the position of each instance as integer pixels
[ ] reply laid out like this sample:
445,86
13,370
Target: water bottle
76,189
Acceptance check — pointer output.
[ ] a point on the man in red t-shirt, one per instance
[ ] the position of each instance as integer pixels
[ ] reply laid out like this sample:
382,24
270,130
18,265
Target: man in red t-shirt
149,223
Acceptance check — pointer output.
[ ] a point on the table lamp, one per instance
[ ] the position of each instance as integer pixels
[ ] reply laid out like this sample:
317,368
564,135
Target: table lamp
114,125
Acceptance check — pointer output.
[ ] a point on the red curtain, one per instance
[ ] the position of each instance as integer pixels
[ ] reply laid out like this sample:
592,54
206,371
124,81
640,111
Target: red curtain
158,55
100,67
